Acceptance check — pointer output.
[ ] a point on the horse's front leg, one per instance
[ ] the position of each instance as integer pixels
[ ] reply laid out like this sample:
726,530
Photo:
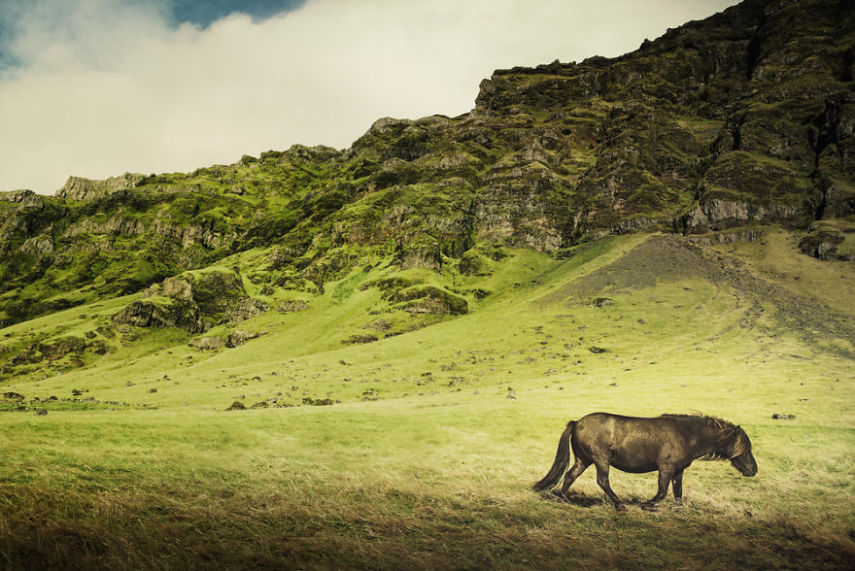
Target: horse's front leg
665,477
677,483
603,481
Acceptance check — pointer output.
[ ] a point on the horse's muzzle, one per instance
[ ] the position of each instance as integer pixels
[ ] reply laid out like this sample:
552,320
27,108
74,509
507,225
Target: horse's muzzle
746,465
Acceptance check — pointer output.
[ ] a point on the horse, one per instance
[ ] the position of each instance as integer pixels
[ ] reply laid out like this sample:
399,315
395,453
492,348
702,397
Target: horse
668,443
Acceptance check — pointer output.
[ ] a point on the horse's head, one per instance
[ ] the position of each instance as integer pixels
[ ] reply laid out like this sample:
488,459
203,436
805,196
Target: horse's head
739,453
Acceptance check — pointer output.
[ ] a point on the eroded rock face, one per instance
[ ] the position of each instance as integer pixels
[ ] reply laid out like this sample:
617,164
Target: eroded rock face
715,214
163,313
39,247
23,197
78,188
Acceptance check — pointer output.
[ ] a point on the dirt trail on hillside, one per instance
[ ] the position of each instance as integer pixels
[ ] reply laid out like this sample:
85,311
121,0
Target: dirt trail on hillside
671,258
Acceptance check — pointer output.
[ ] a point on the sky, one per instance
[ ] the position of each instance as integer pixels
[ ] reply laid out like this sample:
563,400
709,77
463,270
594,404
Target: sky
97,88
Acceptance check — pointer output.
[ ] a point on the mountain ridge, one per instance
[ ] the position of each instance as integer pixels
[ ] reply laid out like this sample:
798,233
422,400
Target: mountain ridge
741,119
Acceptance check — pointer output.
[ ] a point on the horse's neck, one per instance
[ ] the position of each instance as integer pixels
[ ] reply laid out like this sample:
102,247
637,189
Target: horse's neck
707,444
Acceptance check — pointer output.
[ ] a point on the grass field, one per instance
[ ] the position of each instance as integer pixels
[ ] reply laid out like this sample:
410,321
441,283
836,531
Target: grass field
427,458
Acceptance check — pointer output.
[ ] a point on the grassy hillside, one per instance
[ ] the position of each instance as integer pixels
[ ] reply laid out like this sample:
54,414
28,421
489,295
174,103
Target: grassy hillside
363,358
437,429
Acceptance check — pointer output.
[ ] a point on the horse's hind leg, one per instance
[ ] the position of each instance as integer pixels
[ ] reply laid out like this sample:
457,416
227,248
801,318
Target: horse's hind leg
603,481
572,474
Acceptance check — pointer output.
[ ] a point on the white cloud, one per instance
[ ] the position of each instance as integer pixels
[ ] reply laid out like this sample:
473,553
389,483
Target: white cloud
107,86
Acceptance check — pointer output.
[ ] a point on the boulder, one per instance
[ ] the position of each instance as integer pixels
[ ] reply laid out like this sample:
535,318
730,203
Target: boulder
207,343
239,337
822,241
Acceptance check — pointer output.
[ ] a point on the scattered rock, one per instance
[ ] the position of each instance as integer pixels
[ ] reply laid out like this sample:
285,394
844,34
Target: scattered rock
318,402
291,306
603,301
597,350
380,325
360,338
239,337
54,349
11,395
779,416
41,412
207,343
237,405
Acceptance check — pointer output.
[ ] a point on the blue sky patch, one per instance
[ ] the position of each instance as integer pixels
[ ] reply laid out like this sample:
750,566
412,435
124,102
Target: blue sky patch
204,12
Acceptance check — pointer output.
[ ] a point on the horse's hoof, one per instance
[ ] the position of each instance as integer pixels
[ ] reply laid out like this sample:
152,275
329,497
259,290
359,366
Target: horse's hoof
620,508
650,506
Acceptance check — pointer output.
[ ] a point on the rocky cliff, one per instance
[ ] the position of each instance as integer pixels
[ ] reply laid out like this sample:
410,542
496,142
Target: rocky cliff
747,117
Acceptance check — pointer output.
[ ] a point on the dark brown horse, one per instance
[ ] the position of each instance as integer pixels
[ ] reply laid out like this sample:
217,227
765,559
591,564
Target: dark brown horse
667,443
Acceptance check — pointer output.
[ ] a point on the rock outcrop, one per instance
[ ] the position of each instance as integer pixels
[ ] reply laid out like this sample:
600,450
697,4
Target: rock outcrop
78,188
194,301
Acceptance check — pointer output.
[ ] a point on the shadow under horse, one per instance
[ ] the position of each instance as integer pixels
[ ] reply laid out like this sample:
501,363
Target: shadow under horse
667,443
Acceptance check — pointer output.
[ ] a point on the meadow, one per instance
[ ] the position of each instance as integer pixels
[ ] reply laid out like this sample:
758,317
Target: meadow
427,456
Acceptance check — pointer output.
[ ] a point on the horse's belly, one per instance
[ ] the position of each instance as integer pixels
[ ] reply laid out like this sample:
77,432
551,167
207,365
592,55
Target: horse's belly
634,467
635,460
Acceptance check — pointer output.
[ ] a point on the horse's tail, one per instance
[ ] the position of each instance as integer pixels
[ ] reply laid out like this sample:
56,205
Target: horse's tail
562,460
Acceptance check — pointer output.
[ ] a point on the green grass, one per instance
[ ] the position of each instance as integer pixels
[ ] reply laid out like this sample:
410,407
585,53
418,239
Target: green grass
425,462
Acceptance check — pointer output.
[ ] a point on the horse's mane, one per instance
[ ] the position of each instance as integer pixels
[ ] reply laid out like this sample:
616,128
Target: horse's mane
712,421
728,438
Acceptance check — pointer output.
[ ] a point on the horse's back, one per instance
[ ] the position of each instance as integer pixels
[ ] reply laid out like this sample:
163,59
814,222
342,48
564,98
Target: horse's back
609,420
